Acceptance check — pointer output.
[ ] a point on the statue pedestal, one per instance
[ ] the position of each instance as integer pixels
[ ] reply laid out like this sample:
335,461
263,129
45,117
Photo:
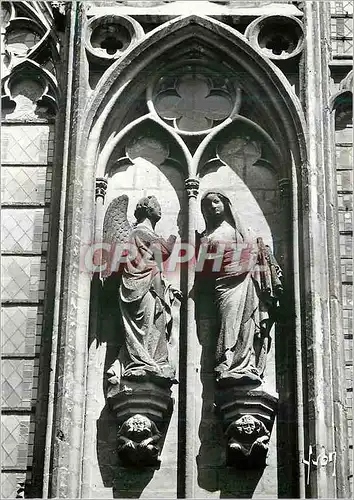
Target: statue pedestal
143,409
132,397
247,415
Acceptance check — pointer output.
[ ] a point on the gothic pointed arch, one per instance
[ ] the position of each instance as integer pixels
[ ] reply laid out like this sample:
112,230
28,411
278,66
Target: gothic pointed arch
31,87
155,129
342,102
268,92
239,126
107,104
149,89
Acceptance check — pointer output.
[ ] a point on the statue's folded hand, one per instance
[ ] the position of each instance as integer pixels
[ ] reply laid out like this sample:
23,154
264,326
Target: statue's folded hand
130,444
125,442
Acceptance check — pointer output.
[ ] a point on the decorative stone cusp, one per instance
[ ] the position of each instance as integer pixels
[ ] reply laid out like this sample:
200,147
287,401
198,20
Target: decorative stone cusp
193,98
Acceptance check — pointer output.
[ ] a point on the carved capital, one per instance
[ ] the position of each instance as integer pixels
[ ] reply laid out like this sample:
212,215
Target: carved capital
101,187
192,187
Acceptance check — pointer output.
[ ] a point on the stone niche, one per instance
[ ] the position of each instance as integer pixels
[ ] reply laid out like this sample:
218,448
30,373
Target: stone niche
144,164
250,183
192,125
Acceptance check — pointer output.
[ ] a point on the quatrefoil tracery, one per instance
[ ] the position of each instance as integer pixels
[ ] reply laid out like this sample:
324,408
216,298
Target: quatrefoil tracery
193,99
193,104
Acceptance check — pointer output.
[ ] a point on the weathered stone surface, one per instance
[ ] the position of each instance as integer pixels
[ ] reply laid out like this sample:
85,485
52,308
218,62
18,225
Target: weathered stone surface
103,131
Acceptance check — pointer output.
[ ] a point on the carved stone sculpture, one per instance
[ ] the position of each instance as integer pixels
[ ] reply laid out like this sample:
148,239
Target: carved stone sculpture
248,441
138,438
245,282
247,287
140,379
145,297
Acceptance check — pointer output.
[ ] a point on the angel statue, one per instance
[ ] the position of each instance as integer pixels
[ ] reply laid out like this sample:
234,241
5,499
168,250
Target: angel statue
145,298
246,287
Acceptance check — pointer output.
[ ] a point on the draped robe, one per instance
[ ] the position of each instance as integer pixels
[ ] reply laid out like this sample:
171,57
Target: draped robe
145,301
242,342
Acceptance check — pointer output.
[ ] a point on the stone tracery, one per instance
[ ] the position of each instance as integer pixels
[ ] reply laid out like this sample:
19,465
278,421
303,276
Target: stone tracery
134,144
193,97
193,105
202,107
30,88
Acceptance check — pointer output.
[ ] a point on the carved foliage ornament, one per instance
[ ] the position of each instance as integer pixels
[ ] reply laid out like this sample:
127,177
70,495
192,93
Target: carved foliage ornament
101,187
192,187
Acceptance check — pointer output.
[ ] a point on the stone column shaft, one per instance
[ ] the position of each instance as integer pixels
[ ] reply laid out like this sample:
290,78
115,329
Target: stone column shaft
321,269
191,430
334,277
71,365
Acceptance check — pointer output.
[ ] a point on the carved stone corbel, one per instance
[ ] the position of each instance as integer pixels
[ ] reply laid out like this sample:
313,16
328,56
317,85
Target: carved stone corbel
247,416
138,438
143,410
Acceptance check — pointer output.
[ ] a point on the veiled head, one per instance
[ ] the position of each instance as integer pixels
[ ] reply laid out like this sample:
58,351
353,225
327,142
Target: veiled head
215,205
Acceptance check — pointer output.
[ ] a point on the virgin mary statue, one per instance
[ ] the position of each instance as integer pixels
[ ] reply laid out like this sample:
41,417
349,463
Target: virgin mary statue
247,286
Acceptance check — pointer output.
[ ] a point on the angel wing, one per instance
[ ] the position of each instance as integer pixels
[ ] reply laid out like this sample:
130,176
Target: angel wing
116,227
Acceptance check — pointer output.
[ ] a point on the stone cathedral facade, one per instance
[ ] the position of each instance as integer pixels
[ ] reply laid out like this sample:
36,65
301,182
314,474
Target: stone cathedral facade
209,356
